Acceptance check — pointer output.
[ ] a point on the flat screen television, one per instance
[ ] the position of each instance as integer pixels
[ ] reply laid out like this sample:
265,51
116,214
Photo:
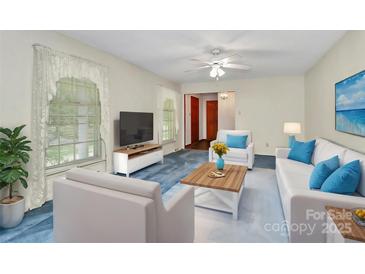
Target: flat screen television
135,127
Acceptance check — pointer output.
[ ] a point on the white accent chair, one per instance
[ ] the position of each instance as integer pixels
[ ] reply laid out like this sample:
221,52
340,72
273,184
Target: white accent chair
237,156
92,206
304,209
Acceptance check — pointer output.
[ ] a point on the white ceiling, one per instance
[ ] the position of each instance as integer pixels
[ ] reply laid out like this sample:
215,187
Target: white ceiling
168,53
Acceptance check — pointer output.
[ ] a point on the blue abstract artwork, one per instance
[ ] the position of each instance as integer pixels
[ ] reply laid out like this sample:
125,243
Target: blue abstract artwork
350,105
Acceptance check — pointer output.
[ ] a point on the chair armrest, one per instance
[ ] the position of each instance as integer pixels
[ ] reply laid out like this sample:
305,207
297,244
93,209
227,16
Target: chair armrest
250,146
180,199
251,155
177,224
282,152
213,142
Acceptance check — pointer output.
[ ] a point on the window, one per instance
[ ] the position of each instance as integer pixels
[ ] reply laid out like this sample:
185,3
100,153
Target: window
168,125
74,123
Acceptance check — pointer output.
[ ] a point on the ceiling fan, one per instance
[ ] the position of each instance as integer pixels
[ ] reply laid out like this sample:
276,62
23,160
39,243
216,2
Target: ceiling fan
217,65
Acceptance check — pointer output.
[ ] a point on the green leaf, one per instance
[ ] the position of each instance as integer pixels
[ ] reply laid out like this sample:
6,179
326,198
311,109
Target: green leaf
25,148
23,182
23,171
8,160
24,157
10,176
17,131
3,184
22,142
6,131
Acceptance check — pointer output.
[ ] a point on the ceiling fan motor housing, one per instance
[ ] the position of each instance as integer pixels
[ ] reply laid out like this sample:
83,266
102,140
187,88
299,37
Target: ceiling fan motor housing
216,51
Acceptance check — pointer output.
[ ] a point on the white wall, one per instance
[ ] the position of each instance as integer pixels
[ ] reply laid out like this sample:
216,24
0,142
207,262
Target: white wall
227,111
346,58
131,88
262,105
187,130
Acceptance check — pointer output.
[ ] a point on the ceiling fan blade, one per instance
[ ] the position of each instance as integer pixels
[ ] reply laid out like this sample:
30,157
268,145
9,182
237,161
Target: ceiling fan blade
200,61
237,66
228,58
198,68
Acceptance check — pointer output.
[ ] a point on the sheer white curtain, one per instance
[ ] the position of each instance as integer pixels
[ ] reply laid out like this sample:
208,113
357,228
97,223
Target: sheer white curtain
164,93
49,66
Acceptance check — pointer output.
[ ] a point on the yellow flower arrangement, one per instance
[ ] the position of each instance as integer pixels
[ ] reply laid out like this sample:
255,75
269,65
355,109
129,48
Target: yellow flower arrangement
220,149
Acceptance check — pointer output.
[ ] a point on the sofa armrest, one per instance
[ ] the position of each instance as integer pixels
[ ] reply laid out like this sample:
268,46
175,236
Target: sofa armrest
282,152
178,221
308,221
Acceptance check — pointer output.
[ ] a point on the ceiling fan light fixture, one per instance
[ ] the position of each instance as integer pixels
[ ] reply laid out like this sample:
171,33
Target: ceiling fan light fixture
220,72
224,96
213,73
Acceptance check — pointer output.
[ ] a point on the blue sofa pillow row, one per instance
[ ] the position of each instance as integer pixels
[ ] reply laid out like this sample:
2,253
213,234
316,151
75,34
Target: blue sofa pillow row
328,176
344,180
322,171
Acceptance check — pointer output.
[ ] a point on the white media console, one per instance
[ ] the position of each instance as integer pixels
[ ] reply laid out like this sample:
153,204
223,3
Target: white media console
128,160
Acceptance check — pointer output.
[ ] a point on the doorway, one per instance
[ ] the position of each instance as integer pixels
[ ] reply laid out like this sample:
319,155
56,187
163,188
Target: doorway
195,119
212,119
206,113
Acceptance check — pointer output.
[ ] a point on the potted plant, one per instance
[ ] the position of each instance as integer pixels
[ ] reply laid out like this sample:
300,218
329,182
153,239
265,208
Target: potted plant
220,149
14,154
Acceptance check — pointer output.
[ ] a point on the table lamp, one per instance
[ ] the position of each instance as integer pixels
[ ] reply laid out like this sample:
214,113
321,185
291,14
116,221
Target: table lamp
291,129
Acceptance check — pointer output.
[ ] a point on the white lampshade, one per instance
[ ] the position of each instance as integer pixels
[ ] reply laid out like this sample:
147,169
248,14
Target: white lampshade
213,73
220,72
292,128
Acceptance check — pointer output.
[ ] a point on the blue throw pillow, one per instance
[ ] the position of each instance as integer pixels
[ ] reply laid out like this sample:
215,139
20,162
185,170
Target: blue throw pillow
322,171
344,180
302,152
236,141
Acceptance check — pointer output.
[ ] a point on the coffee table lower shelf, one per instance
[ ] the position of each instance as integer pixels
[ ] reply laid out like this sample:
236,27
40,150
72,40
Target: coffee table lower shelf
221,200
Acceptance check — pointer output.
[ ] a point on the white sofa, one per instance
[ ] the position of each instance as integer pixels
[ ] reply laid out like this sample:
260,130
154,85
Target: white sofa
236,156
91,206
304,209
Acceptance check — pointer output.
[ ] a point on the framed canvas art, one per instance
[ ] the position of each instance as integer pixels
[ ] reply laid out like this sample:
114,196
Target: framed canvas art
350,104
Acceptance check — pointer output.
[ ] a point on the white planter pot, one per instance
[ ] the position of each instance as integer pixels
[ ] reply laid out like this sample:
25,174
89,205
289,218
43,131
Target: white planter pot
11,214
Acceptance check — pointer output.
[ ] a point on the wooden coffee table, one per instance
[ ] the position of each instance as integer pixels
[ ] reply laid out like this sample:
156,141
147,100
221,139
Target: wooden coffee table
227,189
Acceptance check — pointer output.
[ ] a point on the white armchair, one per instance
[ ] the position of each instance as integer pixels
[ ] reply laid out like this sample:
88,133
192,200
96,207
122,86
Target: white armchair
237,156
92,206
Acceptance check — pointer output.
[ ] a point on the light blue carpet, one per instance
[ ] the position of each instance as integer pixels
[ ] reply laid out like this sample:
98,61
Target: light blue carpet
37,225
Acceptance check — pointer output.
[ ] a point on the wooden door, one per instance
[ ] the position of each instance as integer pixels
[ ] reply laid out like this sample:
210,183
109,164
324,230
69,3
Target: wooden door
194,114
212,119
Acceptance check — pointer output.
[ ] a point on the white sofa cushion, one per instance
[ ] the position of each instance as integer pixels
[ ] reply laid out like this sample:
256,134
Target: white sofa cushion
350,156
234,153
296,174
325,150
128,185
